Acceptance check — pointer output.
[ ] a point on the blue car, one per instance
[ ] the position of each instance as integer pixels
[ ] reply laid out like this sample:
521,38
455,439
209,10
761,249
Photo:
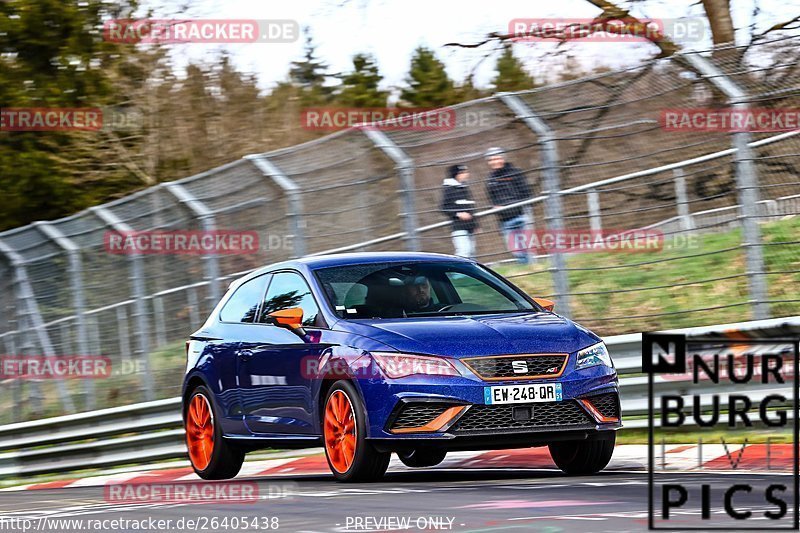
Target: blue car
371,354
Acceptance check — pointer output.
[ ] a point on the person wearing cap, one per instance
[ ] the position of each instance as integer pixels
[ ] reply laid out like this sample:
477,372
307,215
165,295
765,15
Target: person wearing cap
458,205
505,185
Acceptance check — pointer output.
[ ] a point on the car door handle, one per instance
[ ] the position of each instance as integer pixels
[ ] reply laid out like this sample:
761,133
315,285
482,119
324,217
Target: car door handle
245,354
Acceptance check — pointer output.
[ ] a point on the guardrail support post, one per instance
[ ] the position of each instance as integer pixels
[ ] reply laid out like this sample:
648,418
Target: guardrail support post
78,301
552,184
405,170
29,316
294,199
209,224
746,183
138,289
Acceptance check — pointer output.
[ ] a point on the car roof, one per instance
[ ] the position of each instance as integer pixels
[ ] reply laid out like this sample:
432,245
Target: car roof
360,258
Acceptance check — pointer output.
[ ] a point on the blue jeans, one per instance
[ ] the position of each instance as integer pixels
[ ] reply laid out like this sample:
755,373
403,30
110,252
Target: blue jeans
508,227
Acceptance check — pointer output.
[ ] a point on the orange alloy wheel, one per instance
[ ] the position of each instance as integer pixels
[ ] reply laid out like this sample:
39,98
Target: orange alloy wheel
340,431
200,431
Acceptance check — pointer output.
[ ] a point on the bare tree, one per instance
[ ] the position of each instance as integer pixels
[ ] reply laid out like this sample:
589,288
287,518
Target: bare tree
616,19
613,19
720,20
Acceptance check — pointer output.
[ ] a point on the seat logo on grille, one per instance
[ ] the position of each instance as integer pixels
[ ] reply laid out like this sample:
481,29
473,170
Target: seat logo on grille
520,367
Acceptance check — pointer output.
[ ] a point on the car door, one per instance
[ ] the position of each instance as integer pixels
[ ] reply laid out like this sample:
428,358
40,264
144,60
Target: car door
236,320
273,362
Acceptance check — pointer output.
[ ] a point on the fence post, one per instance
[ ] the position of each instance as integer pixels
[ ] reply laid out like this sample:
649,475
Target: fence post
405,170
209,224
552,187
686,221
194,311
159,320
294,198
16,389
595,221
78,300
95,342
30,317
139,296
124,334
746,183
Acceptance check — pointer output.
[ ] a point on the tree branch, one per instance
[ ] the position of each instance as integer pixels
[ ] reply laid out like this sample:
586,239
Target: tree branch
608,21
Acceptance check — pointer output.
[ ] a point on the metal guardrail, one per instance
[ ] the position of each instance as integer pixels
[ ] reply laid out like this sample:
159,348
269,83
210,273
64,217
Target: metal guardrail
149,432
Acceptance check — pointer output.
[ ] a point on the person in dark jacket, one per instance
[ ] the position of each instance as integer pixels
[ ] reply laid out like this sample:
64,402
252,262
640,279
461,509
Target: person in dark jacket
506,185
458,205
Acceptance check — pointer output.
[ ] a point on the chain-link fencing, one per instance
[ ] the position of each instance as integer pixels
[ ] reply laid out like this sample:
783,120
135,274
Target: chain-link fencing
597,153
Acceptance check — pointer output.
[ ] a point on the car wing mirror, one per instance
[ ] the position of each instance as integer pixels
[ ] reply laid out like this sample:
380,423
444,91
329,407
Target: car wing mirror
291,319
548,305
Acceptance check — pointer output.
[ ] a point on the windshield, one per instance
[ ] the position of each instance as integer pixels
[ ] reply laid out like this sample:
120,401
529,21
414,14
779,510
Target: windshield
400,290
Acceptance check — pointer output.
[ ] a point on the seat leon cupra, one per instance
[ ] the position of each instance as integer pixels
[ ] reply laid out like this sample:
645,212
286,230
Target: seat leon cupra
371,354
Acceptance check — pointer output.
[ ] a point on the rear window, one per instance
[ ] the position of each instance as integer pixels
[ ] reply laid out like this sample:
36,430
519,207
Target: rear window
243,305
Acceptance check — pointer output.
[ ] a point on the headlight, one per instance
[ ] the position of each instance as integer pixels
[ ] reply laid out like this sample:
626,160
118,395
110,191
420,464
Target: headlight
399,365
597,354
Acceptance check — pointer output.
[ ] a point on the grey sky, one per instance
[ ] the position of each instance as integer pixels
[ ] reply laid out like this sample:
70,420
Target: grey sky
391,29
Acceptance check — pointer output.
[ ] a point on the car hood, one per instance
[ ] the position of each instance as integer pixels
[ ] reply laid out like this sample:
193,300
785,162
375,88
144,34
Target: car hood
465,336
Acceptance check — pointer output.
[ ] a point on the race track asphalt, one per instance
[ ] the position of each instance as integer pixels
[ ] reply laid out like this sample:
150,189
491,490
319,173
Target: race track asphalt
463,500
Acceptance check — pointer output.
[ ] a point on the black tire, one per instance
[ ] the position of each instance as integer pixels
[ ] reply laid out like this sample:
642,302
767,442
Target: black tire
226,459
585,457
368,463
422,458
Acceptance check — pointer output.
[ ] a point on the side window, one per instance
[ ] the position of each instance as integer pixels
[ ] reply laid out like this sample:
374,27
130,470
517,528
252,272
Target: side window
243,305
290,290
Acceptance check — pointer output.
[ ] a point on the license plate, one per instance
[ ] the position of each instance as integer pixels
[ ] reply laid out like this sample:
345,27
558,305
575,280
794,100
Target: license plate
547,392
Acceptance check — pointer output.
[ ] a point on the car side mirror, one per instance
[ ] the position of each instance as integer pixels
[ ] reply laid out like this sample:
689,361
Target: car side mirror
291,319
548,305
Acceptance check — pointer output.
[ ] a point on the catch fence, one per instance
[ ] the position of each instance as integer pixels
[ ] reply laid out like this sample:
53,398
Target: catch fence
595,151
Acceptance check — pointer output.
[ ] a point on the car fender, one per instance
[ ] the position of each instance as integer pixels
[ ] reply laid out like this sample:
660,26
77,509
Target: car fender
340,362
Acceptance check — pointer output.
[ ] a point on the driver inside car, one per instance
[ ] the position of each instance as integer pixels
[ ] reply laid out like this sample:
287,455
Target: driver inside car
417,295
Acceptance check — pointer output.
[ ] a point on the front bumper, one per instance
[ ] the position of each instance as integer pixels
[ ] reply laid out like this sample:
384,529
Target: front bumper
418,416
441,409
502,441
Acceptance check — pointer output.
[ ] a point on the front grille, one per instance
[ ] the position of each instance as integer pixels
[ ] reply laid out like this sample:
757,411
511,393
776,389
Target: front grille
517,366
555,415
607,404
418,414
